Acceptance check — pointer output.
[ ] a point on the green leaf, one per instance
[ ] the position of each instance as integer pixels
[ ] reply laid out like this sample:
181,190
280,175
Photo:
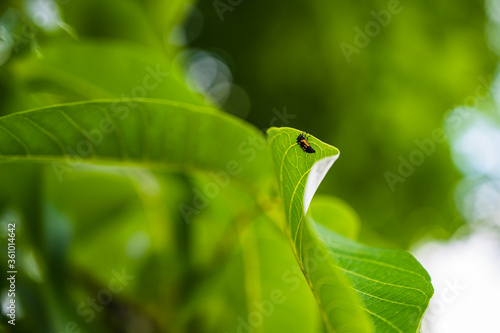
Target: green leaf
334,214
71,71
263,286
275,285
158,134
358,289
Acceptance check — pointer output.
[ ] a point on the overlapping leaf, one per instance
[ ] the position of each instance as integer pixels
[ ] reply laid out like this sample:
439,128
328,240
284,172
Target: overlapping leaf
359,289
173,136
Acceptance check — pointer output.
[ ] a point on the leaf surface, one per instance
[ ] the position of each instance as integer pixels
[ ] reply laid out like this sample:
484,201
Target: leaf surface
89,70
358,288
157,134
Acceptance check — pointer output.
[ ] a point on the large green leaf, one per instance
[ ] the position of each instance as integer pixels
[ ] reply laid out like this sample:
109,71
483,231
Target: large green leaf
154,133
158,135
359,289
345,277
86,70
168,136
263,287
271,271
335,214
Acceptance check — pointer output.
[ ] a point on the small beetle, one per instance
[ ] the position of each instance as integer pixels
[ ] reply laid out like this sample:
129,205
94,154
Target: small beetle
302,141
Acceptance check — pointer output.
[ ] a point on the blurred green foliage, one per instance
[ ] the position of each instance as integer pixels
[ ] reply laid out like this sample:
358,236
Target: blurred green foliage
428,59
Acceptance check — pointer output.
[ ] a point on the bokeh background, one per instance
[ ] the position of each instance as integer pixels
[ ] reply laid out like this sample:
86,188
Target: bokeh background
379,91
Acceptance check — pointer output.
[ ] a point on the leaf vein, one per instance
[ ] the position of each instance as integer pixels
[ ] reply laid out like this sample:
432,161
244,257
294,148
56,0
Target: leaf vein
384,283
79,129
47,133
18,140
375,262
118,135
384,320
388,300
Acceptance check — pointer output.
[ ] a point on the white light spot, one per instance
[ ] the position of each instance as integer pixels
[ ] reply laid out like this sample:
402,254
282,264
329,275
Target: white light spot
476,149
6,43
138,244
45,14
465,275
